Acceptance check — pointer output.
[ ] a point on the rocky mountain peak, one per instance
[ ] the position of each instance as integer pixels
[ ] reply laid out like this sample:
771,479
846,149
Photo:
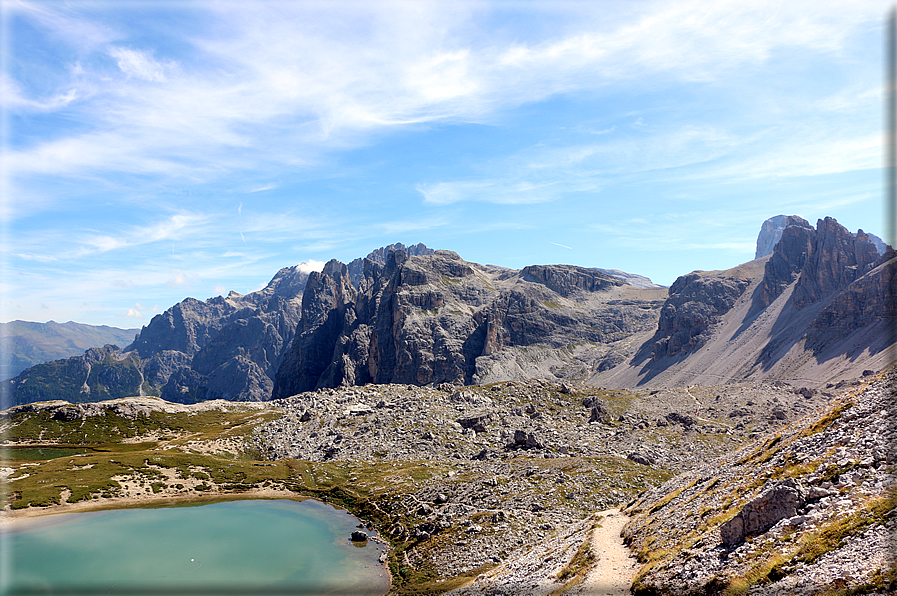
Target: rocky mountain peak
770,233
423,319
788,259
289,282
833,261
379,256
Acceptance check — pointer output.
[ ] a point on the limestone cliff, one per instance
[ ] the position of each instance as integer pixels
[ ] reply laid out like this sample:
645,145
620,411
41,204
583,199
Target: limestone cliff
437,318
223,347
816,310
770,233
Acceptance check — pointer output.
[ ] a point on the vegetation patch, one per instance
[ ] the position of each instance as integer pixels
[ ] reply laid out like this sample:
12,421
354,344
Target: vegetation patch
827,420
832,535
581,560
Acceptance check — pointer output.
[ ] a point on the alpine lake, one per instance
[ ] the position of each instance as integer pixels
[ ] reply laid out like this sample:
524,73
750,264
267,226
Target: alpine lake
233,547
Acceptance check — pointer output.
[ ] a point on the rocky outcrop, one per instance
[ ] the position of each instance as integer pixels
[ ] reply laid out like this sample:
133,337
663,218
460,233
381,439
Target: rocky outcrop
434,318
696,303
770,233
823,261
835,259
379,256
776,503
567,279
787,261
868,299
328,296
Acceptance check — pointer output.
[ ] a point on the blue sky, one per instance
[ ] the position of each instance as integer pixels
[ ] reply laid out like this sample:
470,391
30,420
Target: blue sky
158,150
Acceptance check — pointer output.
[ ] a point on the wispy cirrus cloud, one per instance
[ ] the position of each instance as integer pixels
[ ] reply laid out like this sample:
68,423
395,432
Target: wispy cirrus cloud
266,83
139,64
506,192
174,227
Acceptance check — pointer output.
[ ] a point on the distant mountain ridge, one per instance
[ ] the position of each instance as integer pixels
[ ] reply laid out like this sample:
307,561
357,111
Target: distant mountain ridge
27,343
431,317
813,311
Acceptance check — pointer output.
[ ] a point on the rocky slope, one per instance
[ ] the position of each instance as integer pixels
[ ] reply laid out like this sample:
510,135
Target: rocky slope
527,458
506,475
437,318
807,510
28,343
815,311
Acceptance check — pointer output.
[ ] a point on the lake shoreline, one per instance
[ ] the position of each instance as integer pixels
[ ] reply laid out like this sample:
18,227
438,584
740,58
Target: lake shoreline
31,517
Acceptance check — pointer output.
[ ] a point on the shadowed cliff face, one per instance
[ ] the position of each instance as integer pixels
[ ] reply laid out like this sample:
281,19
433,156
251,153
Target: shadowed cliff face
824,296
696,303
787,261
432,318
223,348
833,261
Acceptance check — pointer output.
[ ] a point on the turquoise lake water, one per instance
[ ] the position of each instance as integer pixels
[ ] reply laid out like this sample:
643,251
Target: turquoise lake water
236,547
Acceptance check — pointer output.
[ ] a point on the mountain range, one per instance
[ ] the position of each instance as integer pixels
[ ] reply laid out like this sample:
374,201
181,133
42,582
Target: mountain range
27,343
814,310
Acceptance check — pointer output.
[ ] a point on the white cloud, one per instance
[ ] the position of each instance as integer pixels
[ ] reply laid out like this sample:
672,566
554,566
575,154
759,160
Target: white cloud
180,278
267,89
310,266
139,64
12,97
508,192
175,227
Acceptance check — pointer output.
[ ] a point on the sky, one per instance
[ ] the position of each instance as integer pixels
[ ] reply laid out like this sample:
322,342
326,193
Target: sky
154,150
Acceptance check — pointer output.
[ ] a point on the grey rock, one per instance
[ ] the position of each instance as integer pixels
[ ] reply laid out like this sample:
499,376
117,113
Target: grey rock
696,302
683,419
438,320
770,233
758,515
526,440
599,414
639,458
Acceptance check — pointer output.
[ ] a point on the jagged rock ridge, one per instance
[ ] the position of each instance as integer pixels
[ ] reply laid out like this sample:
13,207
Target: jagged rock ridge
437,318
815,310
223,347
379,256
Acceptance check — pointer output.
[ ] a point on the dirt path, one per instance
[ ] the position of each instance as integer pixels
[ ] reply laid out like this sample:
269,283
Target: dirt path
616,567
